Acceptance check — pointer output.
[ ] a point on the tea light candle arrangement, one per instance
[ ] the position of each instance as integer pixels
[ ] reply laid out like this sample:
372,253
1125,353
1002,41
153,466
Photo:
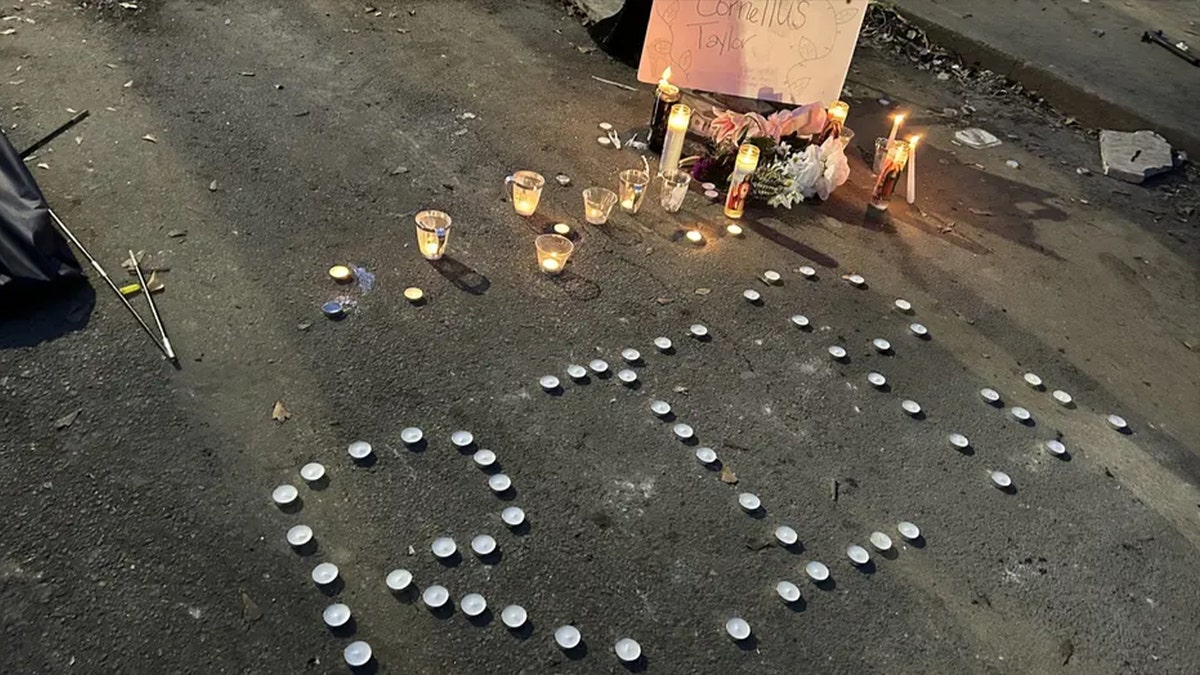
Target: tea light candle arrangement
959,441
738,628
548,382
567,637
324,574
1062,397
628,650
357,654
284,495
435,596
706,455
576,371
677,126
462,439
512,516
411,435
749,501
443,547
698,330
911,407
786,535
312,472
880,541
683,431
990,395
857,554
399,579
908,530
787,591
359,450
598,366
299,535
336,615
1055,447
817,571
499,483
483,544
877,379
473,604
514,616
662,344
1001,479
484,458
1033,380
1021,414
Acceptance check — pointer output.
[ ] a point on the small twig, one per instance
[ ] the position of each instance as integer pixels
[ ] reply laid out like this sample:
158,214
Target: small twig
615,84
833,485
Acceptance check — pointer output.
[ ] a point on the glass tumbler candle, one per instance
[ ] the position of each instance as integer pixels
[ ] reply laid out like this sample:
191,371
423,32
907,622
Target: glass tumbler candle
632,191
889,174
835,121
525,189
674,189
597,204
433,231
553,250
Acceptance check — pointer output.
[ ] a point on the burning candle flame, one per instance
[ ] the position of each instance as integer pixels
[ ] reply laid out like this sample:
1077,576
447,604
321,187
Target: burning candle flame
666,76
912,143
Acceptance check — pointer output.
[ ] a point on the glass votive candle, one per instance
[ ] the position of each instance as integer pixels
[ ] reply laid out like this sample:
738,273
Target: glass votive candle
525,188
433,230
552,252
632,189
674,189
847,137
597,204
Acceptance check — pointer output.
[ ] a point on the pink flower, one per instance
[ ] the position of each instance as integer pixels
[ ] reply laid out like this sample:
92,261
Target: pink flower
802,121
727,125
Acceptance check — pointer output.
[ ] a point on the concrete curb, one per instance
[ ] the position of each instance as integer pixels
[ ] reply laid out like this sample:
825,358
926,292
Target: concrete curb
1068,96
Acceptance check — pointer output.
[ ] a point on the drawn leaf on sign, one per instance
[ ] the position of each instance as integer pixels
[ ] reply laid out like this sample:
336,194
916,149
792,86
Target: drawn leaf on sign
685,61
662,47
670,11
808,50
800,87
846,15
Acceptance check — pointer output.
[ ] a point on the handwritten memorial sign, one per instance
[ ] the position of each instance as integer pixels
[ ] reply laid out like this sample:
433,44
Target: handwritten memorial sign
792,51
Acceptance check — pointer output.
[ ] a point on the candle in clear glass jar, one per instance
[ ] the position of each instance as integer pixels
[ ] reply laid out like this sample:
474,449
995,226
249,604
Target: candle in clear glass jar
889,174
433,231
677,126
553,250
739,181
835,120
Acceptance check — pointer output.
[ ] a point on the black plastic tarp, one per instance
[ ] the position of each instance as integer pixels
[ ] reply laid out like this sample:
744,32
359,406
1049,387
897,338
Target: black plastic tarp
33,254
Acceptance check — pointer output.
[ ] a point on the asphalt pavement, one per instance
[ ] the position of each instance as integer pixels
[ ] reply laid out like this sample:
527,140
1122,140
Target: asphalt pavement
140,536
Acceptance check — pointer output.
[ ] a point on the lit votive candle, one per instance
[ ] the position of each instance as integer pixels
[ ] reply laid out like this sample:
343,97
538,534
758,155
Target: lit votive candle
734,229
553,250
695,237
526,188
433,231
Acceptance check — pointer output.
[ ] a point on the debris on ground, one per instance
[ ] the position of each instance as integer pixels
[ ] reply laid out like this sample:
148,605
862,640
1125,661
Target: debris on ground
149,138
250,609
728,477
399,170
66,420
279,413
1134,157
1013,164
563,179
175,234
212,187
977,138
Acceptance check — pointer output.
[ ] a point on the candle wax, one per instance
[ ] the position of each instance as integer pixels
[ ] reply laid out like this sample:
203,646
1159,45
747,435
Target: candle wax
550,265
523,207
627,204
